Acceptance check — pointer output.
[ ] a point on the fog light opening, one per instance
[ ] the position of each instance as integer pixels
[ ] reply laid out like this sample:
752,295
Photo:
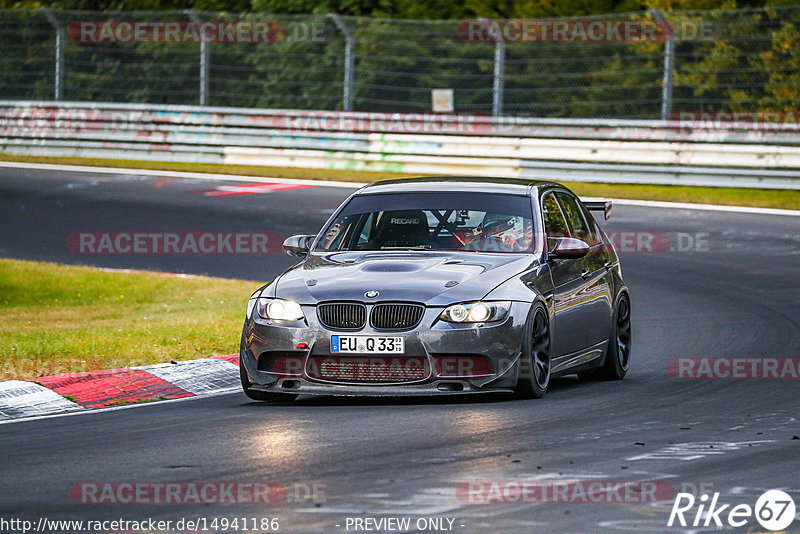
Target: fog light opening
450,386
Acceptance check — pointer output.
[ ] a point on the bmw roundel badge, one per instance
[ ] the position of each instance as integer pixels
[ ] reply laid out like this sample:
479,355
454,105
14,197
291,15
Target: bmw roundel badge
371,294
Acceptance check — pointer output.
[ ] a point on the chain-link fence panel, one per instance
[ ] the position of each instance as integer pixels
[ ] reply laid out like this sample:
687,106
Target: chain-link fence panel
633,65
737,60
399,62
27,55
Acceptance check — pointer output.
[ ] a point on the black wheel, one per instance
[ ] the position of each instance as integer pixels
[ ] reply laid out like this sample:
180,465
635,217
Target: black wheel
535,369
261,395
618,352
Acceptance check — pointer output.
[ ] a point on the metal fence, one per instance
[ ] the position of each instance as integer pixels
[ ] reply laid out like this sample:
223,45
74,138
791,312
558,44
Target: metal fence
702,60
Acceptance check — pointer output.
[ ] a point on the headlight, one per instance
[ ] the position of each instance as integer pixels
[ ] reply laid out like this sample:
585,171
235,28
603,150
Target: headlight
476,312
280,310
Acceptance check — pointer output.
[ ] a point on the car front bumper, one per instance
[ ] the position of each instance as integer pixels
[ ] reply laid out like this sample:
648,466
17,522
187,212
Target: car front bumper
444,358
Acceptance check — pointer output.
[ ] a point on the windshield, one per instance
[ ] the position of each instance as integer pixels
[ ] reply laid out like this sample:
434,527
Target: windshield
470,222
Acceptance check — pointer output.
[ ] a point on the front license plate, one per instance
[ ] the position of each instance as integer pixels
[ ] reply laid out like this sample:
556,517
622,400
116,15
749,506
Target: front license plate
367,344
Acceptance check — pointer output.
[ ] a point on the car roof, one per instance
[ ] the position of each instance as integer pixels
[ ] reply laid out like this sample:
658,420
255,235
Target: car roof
467,184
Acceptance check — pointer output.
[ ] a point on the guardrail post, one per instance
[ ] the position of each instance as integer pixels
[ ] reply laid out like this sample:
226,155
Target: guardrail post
499,75
499,72
669,64
349,61
205,59
59,75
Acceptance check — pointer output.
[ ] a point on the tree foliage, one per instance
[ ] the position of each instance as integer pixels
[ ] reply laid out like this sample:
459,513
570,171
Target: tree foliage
749,60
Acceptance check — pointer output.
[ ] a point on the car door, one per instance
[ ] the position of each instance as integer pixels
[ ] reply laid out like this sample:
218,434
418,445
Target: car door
594,298
568,331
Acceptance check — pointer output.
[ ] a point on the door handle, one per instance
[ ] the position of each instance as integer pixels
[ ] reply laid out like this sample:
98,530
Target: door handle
607,265
585,274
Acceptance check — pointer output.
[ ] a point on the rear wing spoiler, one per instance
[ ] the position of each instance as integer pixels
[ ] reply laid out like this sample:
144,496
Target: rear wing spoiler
599,205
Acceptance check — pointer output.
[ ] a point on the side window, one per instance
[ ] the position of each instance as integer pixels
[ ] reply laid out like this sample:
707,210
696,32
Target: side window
575,221
594,229
554,223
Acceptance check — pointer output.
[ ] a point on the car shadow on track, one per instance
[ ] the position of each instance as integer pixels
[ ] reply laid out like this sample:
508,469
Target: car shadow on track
558,385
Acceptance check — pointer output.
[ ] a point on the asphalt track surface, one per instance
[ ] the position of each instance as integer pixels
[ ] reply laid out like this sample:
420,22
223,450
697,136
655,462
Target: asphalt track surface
737,296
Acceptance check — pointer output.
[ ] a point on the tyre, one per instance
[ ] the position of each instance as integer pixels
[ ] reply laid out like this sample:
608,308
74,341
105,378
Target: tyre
618,352
261,395
534,376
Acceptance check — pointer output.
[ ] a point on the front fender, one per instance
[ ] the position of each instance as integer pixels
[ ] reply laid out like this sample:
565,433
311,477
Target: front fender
530,286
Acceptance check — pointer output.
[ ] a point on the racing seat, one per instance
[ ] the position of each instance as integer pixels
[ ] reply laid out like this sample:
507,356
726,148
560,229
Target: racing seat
408,228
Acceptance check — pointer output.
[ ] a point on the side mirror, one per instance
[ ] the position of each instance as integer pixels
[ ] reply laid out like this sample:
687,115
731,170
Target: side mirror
568,248
298,245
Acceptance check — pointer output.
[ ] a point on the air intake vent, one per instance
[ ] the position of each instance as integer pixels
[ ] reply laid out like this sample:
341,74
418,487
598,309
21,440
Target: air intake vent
342,316
396,316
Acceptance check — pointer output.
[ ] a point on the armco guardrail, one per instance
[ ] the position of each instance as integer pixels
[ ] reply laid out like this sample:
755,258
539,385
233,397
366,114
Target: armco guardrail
674,152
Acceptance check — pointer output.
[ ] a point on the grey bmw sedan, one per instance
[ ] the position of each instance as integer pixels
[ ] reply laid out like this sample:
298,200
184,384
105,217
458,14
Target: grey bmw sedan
442,286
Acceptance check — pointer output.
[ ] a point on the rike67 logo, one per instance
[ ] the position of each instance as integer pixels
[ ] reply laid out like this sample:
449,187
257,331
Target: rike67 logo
774,510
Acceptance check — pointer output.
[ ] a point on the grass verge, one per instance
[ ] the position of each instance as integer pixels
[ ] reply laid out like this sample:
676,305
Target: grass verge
731,196
63,319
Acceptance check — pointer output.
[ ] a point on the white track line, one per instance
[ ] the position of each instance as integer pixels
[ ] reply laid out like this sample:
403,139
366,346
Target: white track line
176,174
705,207
353,185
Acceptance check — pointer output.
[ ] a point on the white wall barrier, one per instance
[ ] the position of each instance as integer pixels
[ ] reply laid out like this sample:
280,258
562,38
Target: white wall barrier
691,152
